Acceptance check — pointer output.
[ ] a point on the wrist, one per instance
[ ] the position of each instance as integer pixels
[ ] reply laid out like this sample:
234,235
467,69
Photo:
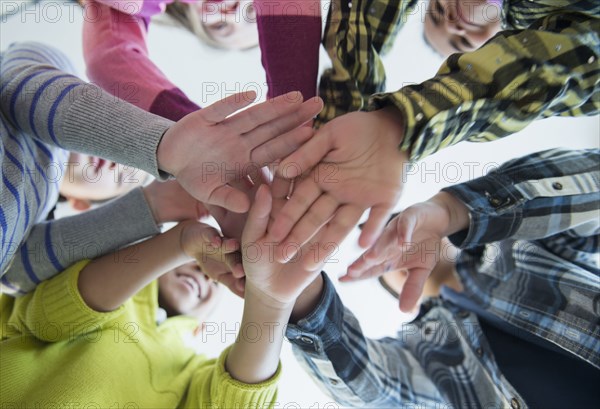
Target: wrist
151,198
457,212
265,301
308,301
165,153
391,119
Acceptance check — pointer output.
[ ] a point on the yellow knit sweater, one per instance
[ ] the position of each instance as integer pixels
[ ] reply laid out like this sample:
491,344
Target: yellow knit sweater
57,352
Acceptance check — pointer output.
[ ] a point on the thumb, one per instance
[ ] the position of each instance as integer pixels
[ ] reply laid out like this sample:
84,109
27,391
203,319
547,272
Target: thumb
258,217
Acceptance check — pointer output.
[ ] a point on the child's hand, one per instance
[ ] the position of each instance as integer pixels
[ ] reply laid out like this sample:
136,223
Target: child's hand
358,167
277,284
209,148
217,257
412,241
171,203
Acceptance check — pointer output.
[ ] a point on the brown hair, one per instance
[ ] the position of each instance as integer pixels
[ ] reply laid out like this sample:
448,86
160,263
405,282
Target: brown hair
183,14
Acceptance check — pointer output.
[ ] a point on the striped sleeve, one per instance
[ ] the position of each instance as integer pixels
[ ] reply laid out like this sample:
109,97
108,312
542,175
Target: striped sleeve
533,197
57,108
51,247
549,69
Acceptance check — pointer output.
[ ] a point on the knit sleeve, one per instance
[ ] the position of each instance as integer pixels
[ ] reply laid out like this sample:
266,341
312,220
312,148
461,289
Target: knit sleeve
56,312
212,387
53,245
117,59
290,36
55,107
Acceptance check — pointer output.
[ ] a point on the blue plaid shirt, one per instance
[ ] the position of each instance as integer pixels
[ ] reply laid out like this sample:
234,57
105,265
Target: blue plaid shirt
530,259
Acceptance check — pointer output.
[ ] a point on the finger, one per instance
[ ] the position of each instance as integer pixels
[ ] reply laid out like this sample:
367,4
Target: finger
280,189
336,231
374,271
306,192
281,146
229,198
258,218
374,225
413,288
233,261
265,112
220,110
295,117
307,156
232,283
316,217
405,226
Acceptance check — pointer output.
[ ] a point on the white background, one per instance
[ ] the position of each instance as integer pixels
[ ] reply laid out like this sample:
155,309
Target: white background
195,67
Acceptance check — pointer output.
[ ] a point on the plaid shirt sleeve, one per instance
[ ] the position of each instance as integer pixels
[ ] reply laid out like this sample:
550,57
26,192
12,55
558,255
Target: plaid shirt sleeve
544,64
548,69
355,38
355,370
533,197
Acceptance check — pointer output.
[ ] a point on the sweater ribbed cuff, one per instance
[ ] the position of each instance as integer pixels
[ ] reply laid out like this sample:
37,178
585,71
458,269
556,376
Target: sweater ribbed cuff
235,394
106,126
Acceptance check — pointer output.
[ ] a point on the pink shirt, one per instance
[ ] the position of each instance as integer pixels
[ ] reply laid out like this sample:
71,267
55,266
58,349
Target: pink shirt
117,58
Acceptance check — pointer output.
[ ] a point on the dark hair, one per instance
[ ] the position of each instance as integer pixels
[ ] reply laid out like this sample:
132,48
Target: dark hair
179,12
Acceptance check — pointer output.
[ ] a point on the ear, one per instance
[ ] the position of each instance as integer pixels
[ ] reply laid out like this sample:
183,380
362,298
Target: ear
79,204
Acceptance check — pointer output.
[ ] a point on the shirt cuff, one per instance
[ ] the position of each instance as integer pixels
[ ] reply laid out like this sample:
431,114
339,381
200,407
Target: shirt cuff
495,210
323,326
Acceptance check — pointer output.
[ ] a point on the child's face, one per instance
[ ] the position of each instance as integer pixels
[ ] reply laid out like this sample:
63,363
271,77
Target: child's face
231,24
88,178
453,26
187,291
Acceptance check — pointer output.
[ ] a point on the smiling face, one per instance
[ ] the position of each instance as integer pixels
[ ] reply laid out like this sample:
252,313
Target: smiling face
187,291
453,26
88,178
228,24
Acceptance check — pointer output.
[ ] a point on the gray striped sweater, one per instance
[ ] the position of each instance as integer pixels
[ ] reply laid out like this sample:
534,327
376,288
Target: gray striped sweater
46,111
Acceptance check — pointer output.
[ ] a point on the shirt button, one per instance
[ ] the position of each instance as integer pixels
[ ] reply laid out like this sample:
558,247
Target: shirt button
494,201
557,186
514,403
479,352
306,340
333,381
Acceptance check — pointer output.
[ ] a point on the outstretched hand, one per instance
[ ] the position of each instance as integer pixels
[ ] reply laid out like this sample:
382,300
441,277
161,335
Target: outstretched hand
351,164
209,148
275,283
412,241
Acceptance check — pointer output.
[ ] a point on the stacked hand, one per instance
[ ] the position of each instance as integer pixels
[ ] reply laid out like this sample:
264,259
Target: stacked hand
351,164
275,283
216,256
210,148
412,241
171,203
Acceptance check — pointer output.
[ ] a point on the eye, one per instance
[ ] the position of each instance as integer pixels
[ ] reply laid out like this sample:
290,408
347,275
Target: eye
466,42
220,26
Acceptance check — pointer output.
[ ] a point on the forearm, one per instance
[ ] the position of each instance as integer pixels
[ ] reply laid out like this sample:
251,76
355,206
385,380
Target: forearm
59,109
355,370
308,300
254,357
533,197
117,59
289,43
514,79
352,34
53,246
109,281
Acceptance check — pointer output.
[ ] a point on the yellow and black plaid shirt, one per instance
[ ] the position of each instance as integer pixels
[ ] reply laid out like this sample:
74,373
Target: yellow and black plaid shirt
544,63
